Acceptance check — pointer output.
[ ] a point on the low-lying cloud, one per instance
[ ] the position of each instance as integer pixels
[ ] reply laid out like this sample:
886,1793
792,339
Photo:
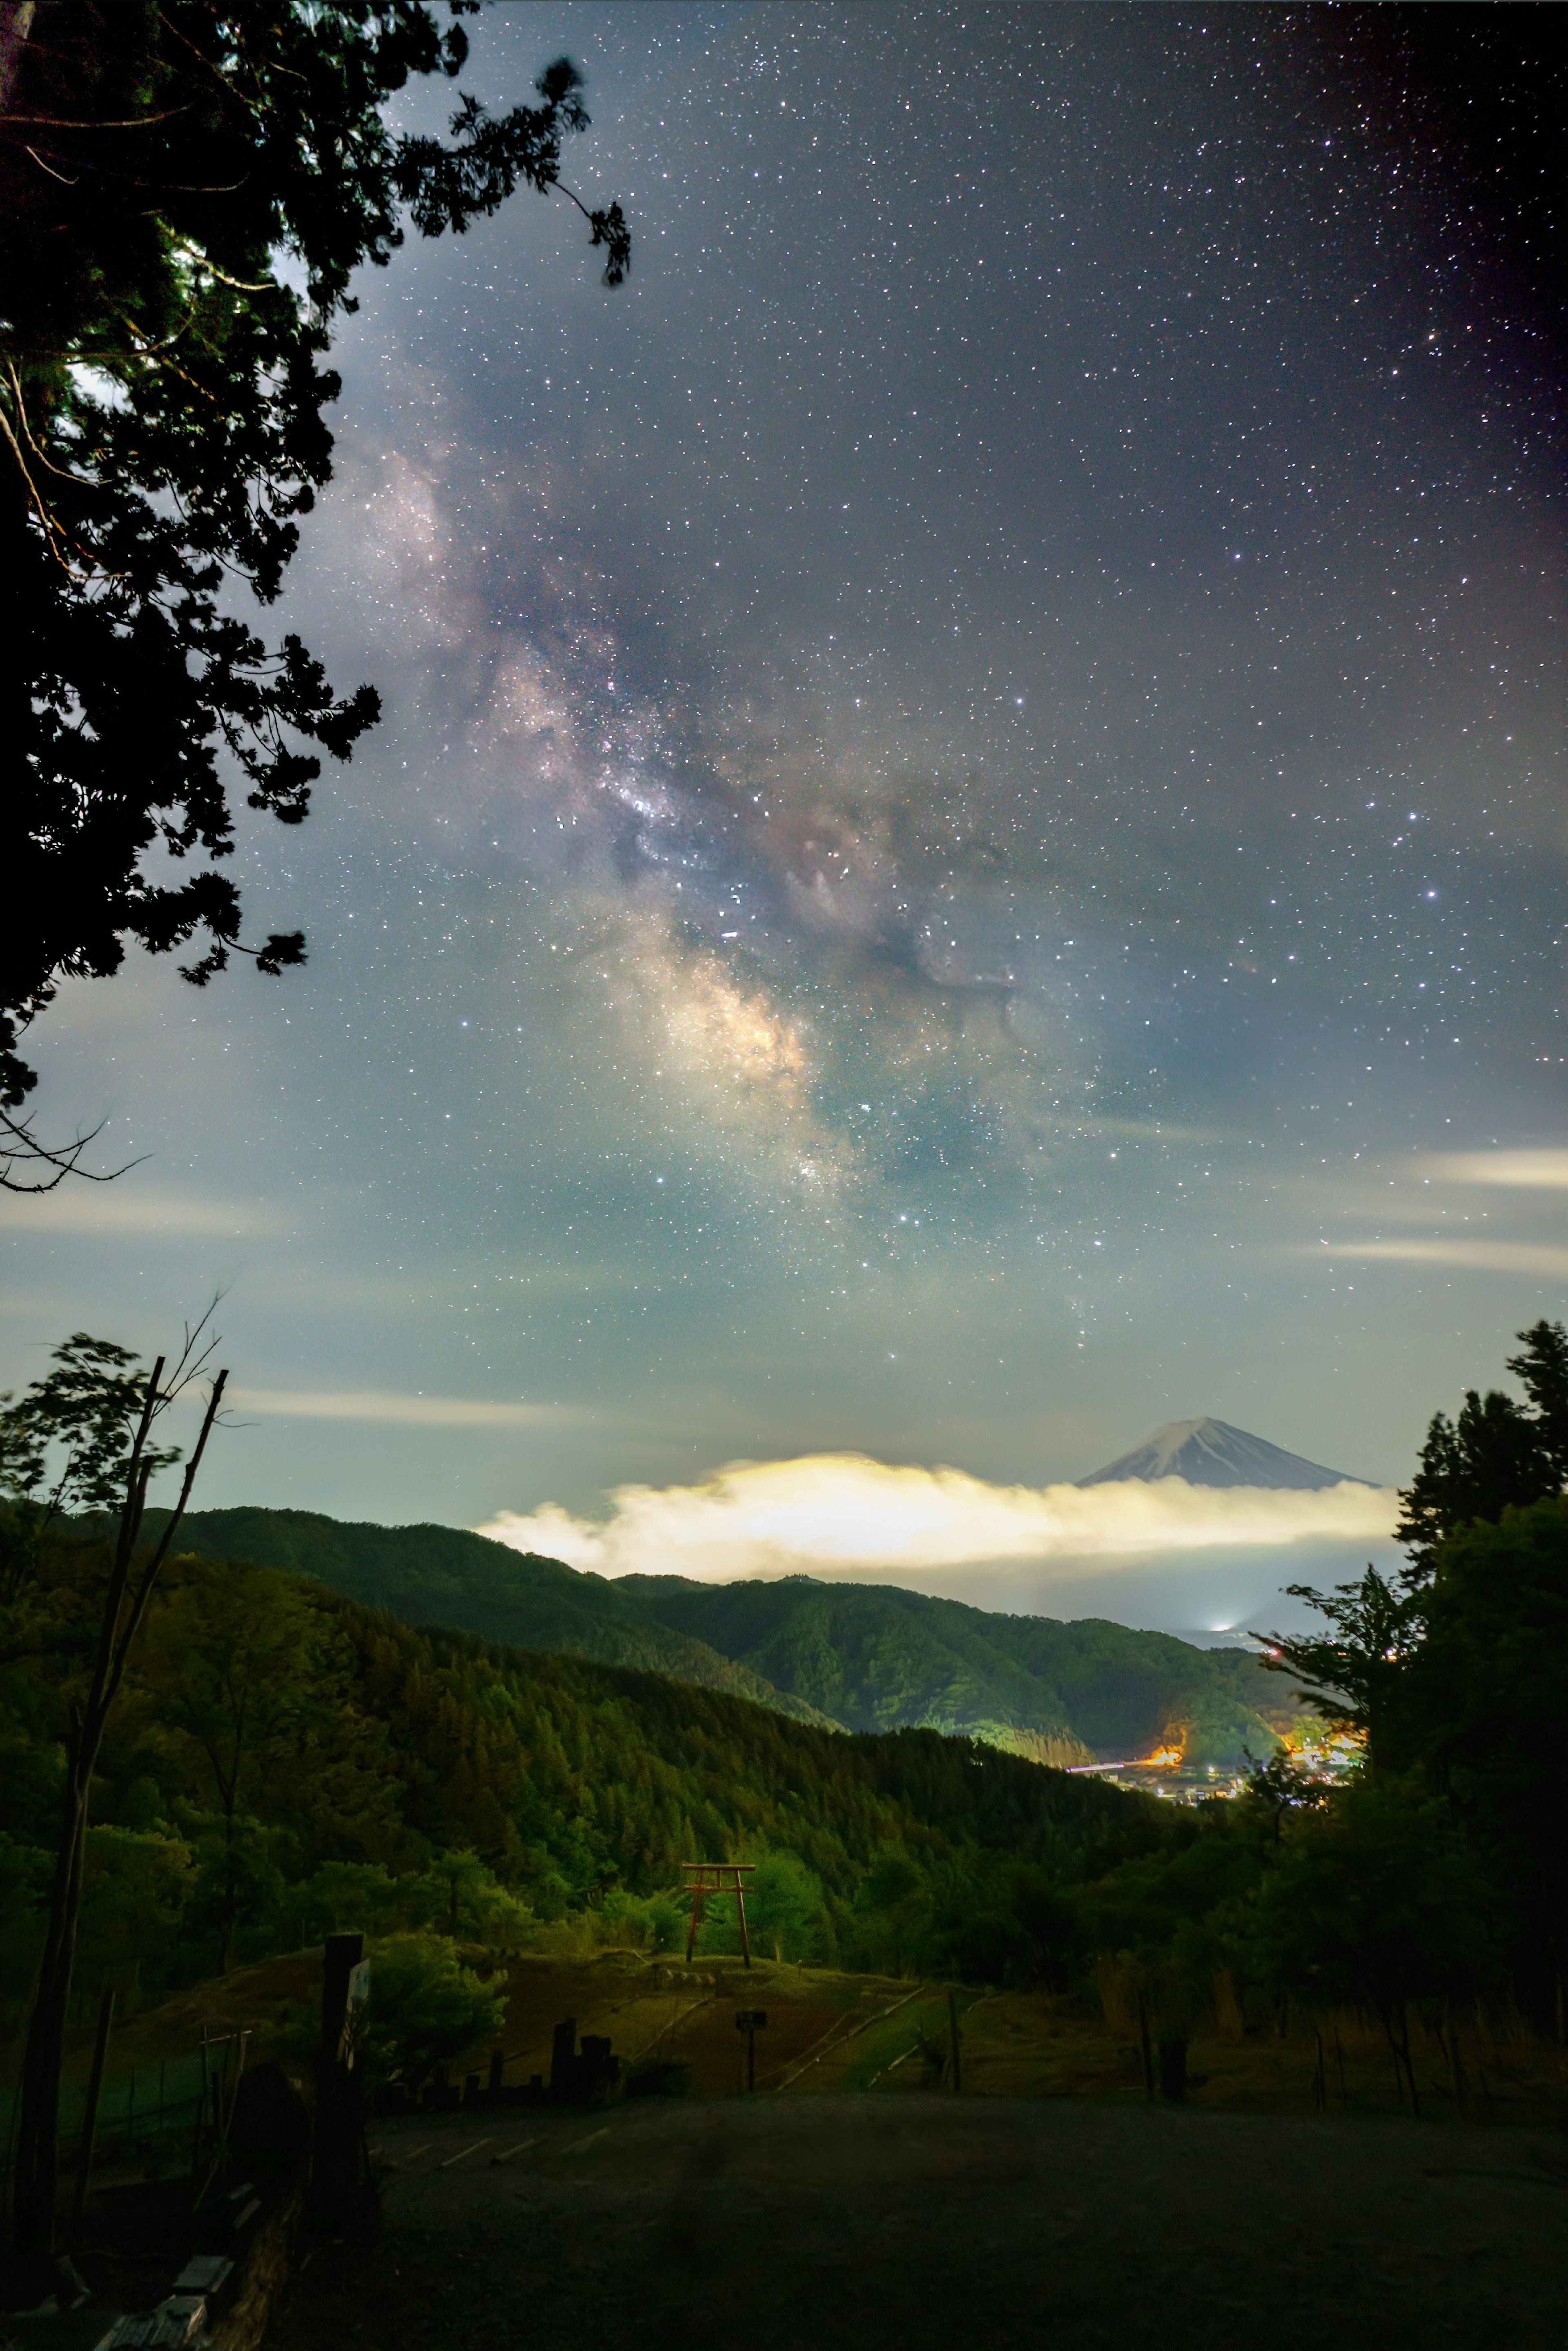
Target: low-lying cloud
844,1514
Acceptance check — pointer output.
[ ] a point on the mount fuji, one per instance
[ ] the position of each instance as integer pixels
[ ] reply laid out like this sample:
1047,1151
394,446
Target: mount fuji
1213,1453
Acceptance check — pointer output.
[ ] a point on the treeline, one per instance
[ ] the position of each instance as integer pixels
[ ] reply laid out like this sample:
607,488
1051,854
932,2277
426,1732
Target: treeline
1434,1879
450,1577
868,1657
284,1761
874,1656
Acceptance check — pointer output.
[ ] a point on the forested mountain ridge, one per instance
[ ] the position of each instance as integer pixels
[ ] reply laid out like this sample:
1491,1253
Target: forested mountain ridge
874,1656
446,1576
869,1657
284,1761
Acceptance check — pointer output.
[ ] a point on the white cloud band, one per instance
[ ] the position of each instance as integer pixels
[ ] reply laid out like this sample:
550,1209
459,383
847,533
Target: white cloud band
844,1513
1542,1261
1541,1171
380,1404
108,1208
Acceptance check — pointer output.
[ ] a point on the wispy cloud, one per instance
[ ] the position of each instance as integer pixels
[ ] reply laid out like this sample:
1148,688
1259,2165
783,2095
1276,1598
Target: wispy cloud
108,1208
383,1404
1538,1260
842,1512
1541,1171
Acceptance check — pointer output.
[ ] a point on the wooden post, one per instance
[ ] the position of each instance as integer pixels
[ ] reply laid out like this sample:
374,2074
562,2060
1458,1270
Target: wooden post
751,2021
241,2043
954,2043
90,2115
10,2147
201,2125
696,1920
340,1955
741,1914
1173,2068
336,2183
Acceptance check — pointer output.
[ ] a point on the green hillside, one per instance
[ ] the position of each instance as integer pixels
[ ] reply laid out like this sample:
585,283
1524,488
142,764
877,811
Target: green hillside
444,1575
284,1759
874,1656
856,1656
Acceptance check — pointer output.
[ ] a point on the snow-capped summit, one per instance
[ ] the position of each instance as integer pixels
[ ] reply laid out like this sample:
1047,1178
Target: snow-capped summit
1212,1453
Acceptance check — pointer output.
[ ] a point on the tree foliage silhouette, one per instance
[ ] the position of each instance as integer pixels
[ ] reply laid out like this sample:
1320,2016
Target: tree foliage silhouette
83,1436
188,191
1495,1453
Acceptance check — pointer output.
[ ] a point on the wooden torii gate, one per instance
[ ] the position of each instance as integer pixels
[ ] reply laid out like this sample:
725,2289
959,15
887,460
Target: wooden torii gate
705,1877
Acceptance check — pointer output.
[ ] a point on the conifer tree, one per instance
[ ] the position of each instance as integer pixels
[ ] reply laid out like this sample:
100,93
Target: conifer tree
1494,1455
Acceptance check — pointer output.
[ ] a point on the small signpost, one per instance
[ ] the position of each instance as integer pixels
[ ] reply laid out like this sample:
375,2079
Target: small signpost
705,1877
751,2022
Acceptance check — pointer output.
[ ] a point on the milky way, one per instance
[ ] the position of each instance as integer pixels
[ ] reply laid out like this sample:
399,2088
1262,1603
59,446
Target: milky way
966,853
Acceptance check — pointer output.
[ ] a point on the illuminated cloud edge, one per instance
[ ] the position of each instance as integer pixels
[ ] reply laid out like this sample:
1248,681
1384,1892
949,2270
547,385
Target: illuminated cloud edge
844,1512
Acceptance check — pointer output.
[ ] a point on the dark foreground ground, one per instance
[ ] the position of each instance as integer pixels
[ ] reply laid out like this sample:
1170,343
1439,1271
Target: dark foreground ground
848,2223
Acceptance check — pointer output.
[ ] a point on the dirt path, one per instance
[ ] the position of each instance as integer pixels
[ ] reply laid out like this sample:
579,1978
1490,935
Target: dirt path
847,2223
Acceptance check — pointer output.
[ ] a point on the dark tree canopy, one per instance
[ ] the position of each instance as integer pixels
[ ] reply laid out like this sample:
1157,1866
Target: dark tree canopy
1496,1457
188,187
1495,1453
1453,1672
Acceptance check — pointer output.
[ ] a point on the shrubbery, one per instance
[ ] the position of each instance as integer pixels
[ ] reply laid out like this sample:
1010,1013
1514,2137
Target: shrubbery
426,2007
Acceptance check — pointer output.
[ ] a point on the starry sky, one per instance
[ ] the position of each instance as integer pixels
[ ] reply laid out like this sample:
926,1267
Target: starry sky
967,851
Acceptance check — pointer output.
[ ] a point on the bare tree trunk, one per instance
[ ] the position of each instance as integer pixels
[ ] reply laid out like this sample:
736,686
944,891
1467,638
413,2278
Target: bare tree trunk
36,2168
125,1604
231,1895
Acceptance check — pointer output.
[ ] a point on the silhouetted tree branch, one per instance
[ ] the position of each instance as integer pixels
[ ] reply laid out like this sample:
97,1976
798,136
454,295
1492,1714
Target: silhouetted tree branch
188,191
79,1437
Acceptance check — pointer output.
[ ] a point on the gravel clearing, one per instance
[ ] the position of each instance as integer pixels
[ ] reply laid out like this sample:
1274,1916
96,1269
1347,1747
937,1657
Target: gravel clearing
846,2223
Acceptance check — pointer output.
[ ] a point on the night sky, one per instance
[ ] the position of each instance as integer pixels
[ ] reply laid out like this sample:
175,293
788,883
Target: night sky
967,854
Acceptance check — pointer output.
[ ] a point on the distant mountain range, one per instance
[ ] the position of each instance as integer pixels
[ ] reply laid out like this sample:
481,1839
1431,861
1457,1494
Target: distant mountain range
859,1657
875,1657
1213,1453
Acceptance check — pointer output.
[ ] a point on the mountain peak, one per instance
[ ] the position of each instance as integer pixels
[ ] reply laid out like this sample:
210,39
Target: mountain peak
1213,1453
